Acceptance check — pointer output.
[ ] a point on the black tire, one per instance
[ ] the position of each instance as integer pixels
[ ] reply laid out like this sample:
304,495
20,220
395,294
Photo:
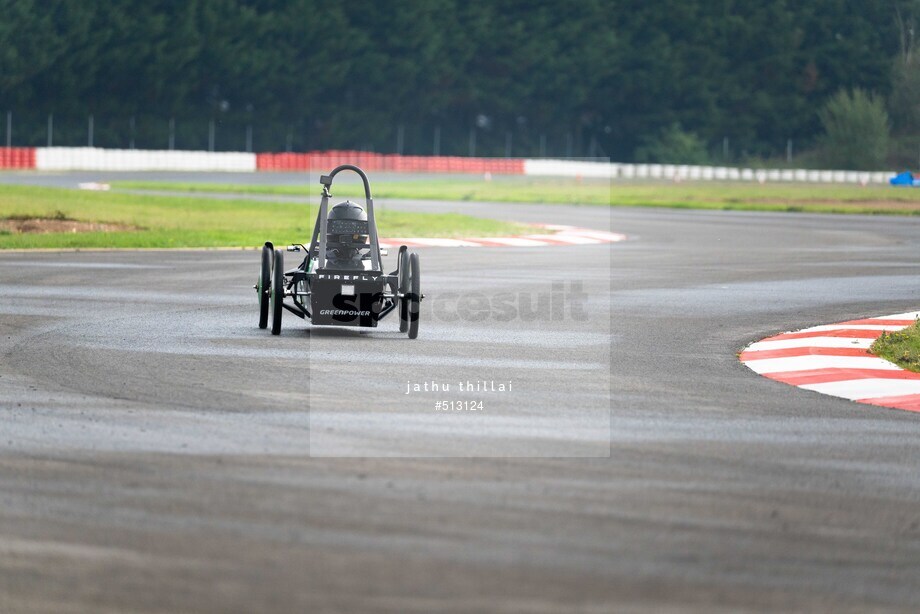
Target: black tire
415,296
403,289
277,299
263,286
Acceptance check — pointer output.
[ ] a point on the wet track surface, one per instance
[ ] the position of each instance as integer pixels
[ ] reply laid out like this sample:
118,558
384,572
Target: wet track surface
155,451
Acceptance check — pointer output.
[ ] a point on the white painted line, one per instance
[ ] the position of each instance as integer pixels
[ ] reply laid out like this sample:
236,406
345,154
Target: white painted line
512,241
827,327
807,363
92,185
818,342
595,234
867,388
565,238
910,315
434,242
570,235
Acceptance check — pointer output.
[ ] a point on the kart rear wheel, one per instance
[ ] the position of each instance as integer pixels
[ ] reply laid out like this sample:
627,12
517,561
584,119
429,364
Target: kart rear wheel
263,285
403,289
277,292
415,296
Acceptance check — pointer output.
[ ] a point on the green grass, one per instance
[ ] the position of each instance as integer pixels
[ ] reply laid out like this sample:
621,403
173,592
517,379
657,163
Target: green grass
812,198
188,221
901,347
54,215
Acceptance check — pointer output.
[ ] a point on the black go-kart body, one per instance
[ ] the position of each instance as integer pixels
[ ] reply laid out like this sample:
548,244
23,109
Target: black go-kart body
333,292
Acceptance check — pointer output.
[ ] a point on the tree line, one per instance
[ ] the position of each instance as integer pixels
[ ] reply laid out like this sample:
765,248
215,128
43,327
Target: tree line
629,79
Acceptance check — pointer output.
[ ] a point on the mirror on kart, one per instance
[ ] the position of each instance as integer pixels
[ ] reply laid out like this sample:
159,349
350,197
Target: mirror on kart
384,251
293,248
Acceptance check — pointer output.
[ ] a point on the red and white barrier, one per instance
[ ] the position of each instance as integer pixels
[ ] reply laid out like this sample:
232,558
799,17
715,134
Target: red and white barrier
571,168
673,172
94,159
17,157
325,160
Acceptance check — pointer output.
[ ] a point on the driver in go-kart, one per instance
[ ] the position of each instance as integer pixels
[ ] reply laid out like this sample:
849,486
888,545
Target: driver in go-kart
346,233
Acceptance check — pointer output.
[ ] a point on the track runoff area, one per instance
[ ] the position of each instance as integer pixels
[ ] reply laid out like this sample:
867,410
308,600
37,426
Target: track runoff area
682,479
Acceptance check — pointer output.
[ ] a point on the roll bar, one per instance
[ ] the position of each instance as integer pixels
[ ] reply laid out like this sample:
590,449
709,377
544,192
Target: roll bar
319,230
326,180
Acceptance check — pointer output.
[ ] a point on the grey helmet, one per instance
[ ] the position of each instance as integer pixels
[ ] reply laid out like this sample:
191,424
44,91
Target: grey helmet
346,231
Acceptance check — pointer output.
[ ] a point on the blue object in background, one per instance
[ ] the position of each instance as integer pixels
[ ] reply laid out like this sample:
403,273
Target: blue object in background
905,179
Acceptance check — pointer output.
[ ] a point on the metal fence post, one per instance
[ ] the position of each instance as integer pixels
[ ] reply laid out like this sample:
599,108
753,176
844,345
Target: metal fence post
542,145
9,128
131,137
50,129
437,140
400,138
473,142
172,133
89,139
249,138
508,137
211,135
289,139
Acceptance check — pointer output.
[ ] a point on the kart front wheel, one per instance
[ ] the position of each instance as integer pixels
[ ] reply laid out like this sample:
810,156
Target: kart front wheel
263,285
277,292
403,289
415,296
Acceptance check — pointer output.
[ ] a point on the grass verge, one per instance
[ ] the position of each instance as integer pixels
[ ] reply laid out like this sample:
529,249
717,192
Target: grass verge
809,198
900,347
189,221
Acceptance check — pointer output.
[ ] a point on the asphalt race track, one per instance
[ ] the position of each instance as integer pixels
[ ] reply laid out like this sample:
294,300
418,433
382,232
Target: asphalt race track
155,449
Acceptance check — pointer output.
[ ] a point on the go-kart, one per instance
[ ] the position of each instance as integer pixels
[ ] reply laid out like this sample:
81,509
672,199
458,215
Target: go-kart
341,280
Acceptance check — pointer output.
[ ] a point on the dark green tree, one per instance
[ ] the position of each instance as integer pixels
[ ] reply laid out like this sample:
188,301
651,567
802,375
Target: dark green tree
596,76
856,131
